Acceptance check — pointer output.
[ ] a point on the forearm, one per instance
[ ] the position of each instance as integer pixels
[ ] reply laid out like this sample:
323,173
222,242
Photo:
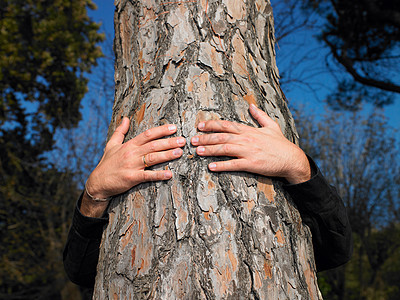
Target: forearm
81,251
323,211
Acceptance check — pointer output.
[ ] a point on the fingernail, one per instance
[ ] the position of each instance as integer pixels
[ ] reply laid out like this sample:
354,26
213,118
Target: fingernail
167,174
201,125
195,140
212,166
253,108
181,141
172,127
200,150
177,152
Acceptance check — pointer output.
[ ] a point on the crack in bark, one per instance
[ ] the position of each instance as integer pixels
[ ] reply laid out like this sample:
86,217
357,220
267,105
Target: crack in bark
253,290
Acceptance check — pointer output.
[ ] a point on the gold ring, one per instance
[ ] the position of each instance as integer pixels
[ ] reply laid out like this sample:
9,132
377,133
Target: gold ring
144,161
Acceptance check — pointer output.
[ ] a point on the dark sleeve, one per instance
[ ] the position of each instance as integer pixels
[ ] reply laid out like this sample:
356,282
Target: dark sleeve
323,211
81,252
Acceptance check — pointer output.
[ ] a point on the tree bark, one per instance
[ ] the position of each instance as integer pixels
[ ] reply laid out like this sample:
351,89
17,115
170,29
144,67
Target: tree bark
201,235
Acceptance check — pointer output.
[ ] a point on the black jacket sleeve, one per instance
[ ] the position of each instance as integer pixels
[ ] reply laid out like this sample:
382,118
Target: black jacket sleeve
81,252
319,205
323,211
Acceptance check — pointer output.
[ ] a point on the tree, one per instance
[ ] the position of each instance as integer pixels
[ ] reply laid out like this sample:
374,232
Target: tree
201,235
34,214
359,154
363,38
46,50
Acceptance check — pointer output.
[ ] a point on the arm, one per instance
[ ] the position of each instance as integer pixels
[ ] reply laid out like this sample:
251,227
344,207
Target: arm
81,252
266,151
323,211
122,166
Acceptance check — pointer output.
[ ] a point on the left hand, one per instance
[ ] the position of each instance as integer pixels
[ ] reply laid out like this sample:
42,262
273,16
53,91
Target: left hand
123,165
264,151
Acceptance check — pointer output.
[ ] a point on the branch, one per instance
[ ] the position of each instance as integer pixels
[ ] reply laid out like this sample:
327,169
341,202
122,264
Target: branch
347,63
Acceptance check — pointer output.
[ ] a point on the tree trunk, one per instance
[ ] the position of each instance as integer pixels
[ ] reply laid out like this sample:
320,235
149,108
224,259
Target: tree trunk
201,235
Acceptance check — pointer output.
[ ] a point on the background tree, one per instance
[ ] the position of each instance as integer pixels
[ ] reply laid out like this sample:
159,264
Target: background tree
359,155
201,234
46,50
363,37
358,45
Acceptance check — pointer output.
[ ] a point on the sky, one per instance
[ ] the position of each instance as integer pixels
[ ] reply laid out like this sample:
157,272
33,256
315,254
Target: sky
317,81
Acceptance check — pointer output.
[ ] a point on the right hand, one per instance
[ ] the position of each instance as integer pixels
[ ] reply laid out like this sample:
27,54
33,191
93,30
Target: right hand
264,150
122,165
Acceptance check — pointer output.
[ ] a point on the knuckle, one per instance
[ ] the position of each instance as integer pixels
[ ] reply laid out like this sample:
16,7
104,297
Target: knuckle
146,176
221,138
226,148
152,146
151,158
147,133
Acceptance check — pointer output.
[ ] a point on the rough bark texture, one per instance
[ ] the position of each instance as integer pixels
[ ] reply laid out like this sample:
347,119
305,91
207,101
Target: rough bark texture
201,235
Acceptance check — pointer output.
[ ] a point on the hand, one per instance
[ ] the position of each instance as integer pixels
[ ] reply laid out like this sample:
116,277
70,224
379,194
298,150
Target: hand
122,165
263,151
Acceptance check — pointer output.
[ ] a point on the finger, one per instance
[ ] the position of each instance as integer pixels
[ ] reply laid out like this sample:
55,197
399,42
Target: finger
163,144
221,150
146,175
154,133
155,158
261,117
119,133
213,139
240,164
220,126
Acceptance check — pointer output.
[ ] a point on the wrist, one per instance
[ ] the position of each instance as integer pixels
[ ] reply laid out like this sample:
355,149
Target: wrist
91,208
300,169
94,197
94,187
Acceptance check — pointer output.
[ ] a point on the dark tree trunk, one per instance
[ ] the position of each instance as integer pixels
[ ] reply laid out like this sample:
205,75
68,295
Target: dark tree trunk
201,235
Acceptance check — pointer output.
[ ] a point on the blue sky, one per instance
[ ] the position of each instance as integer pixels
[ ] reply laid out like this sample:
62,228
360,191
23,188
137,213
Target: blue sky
317,81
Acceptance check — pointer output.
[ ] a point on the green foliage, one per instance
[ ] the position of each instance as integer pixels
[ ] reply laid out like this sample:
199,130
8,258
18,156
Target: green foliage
47,48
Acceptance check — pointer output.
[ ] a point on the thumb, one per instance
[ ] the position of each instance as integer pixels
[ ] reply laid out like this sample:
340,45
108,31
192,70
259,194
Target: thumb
261,117
119,133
